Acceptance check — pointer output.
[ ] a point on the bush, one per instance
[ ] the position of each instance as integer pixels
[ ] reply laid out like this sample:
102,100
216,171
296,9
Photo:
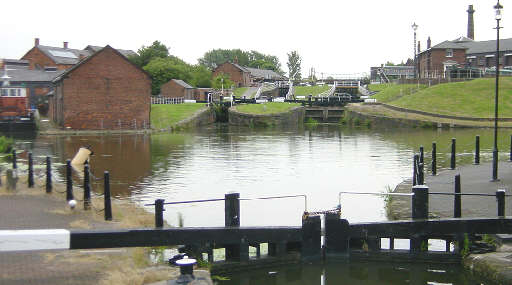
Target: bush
5,144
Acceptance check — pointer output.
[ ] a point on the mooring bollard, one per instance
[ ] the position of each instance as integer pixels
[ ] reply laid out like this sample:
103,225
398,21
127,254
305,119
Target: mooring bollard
159,213
434,159
452,157
107,203
421,154
232,219
87,188
477,150
69,181
48,174
419,211
500,198
457,199
30,171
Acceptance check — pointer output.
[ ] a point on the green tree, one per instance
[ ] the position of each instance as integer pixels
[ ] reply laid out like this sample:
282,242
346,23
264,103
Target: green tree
294,62
164,69
216,57
201,76
146,54
222,80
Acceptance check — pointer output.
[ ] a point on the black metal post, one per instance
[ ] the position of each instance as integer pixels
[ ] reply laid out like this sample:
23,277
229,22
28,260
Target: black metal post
415,170
452,157
69,181
48,174
457,201
309,100
87,187
510,156
500,198
422,154
30,171
419,211
434,158
159,213
14,160
311,238
108,205
336,235
232,219
421,174
477,150
497,59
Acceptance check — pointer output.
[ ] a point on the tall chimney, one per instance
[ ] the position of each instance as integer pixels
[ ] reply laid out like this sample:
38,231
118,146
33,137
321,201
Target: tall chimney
419,49
65,44
429,43
471,23
36,41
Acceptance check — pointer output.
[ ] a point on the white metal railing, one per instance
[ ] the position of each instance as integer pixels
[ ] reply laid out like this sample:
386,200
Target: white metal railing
291,91
329,92
167,100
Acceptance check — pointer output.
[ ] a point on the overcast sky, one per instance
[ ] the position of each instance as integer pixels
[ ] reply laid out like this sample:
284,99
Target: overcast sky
334,37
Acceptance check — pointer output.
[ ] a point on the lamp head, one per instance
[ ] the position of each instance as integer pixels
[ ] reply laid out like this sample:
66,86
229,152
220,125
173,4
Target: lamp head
414,26
498,9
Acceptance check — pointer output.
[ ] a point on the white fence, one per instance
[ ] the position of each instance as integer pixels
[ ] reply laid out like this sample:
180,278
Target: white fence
167,100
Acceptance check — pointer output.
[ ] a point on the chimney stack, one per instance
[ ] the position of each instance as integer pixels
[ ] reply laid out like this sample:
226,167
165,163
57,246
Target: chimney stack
471,23
429,43
65,44
36,41
419,49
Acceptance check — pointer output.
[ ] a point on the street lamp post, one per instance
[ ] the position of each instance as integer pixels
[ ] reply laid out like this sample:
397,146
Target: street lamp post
497,8
414,28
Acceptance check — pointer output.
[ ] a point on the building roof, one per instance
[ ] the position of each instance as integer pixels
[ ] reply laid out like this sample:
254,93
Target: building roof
182,83
125,52
473,47
26,75
64,55
264,73
70,70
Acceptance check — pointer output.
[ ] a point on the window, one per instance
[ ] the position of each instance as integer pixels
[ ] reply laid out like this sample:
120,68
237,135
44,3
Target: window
449,52
5,92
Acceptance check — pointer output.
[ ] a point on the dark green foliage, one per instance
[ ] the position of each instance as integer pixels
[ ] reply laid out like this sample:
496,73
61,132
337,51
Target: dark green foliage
216,57
146,54
5,144
222,80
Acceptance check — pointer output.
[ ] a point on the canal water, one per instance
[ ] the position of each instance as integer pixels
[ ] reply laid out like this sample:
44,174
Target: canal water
317,162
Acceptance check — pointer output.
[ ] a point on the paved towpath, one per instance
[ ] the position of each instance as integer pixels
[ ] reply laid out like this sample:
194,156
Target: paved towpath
474,179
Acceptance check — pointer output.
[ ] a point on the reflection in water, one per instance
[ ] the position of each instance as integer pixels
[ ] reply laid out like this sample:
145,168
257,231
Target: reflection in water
355,273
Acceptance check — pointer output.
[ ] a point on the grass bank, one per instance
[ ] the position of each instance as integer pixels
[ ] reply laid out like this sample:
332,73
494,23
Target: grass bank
166,115
473,98
313,90
266,108
238,92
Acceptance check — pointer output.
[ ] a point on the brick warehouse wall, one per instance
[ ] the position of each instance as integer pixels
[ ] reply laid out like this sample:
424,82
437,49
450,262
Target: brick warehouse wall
240,78
105,92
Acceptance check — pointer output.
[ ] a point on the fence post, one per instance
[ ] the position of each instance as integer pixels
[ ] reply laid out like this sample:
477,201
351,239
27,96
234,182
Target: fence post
419,211
108,205
69,181
337,235
422,154
421,174
232,219
30,170
457,199
434,159
477,150
48,174
510,156
87,188
159,213
311,238
14,163
415,170
500,198
452,157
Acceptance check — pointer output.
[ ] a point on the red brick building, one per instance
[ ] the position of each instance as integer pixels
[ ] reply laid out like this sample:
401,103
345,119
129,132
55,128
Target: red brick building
103,91
176,88
434,61
246,76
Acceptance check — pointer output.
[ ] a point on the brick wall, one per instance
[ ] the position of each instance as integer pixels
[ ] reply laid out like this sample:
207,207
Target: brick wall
172,89
240,78
105,92
435,66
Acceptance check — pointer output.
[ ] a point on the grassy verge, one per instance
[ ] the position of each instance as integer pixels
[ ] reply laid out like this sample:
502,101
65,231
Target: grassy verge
467,99
238,92
164,116
313,90
391,92
266,108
